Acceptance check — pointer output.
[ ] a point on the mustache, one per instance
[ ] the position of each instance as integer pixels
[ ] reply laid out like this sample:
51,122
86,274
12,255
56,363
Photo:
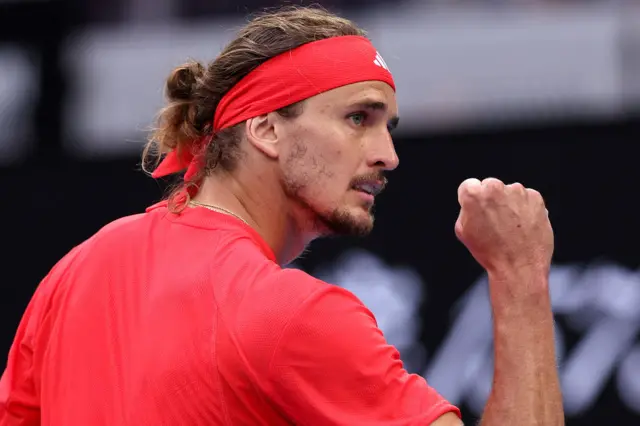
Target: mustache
378,177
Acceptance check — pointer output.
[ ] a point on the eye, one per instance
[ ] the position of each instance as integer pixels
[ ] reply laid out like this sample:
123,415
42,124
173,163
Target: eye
358,118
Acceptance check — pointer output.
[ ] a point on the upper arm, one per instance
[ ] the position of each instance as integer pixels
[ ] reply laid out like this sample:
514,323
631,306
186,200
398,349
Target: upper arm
333,366
18,396
19,387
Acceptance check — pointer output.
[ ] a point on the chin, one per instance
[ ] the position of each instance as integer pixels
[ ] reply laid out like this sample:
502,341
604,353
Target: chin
349,223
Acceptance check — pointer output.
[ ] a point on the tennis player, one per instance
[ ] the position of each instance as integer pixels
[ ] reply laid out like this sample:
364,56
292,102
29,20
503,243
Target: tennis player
183,315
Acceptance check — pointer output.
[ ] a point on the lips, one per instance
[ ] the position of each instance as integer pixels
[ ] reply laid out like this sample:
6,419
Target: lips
371,187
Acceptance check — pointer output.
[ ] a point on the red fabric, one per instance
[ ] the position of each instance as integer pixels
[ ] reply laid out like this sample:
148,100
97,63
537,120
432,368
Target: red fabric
161,319
288,78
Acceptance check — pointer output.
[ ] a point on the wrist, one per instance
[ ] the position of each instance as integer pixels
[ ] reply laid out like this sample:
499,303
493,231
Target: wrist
521,270
519,291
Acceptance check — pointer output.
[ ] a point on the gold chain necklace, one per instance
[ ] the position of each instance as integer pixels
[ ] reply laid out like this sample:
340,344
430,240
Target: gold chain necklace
217,209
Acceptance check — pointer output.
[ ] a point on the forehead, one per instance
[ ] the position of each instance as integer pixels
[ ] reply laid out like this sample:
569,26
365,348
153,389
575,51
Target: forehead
357,93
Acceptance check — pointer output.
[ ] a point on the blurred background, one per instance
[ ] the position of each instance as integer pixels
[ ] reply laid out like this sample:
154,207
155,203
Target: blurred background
542,92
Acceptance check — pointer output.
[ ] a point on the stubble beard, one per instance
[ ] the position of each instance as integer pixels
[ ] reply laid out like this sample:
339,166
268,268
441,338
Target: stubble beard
337,222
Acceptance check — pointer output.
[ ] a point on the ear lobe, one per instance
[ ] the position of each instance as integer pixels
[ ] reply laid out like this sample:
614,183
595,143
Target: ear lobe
261,134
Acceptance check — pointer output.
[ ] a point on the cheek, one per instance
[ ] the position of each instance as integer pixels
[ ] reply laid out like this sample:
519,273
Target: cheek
317,171
320,164
313,155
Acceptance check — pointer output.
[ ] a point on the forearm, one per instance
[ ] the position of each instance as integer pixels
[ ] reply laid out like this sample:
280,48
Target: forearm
526,389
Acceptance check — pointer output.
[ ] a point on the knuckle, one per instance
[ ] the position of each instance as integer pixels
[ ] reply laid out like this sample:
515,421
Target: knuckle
492,186
516,186
470,194
534,194
492,182
469,189
538,202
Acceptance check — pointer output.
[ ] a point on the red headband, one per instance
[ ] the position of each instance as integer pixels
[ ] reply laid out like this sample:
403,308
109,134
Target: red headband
288,78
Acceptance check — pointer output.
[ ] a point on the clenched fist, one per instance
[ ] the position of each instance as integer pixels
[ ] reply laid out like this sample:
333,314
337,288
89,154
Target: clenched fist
505,227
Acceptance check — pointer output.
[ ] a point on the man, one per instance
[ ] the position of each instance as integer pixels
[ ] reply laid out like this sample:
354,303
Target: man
183,315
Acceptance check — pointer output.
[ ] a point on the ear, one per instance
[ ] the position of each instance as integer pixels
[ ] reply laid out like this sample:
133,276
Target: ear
261,133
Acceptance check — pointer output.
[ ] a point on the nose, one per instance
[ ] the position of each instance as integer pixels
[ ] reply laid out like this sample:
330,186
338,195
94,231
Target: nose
383,153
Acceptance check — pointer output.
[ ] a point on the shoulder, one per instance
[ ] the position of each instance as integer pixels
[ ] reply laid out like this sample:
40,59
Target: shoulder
332,318
300,313
67,266
332,365
275,301
123,224
278,295
297,296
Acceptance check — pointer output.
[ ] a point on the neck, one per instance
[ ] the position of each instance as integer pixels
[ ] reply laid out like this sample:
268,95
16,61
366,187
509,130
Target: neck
266,210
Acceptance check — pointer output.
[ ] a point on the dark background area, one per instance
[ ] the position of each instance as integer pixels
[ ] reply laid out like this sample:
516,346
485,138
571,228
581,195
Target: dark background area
587,171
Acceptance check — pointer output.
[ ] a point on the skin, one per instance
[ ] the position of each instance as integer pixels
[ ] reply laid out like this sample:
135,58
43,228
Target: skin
507,230
295,184
296,180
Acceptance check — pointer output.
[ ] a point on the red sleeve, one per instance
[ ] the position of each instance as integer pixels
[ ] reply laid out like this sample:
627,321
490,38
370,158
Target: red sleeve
19,385
333,366
18,397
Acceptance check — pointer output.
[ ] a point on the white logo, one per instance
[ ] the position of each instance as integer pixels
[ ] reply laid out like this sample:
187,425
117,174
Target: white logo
380,62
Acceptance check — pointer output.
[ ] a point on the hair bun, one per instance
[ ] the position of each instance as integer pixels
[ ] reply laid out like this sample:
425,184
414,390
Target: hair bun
182,82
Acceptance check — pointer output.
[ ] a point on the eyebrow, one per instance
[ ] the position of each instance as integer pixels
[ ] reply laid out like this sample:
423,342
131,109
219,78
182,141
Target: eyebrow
380,106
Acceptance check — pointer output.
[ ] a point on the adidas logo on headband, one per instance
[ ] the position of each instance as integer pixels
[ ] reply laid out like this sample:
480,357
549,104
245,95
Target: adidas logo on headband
380,62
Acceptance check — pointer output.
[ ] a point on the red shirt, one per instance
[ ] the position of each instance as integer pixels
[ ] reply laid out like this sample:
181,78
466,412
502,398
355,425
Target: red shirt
163,319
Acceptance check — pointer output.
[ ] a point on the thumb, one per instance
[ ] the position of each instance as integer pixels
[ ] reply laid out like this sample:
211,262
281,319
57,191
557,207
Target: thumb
458,227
